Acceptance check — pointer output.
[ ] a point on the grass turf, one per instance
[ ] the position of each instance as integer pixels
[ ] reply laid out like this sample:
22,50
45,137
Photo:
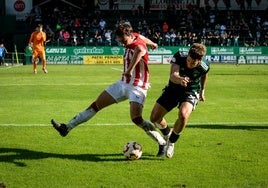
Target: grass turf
224,145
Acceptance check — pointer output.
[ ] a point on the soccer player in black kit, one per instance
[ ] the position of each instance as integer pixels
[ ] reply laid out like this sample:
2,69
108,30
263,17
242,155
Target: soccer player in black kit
186,86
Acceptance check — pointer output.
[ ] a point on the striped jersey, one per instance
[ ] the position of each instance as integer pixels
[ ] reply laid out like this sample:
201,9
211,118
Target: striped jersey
140,75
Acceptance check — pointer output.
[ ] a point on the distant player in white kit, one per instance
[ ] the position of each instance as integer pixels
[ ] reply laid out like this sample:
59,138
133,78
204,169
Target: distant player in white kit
133,85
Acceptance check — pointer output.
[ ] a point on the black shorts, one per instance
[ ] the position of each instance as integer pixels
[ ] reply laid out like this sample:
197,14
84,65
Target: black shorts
174,96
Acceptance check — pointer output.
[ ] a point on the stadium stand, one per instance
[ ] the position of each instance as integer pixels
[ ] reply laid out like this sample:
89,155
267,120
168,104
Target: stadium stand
69,26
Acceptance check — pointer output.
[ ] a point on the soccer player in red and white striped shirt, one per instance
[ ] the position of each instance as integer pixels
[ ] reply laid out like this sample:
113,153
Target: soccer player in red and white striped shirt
132,86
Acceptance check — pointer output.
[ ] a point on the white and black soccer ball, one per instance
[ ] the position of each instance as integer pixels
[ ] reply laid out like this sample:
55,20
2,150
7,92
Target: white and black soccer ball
132,150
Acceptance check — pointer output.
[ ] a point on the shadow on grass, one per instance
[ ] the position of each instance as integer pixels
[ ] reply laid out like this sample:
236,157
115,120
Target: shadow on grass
15,156
226,126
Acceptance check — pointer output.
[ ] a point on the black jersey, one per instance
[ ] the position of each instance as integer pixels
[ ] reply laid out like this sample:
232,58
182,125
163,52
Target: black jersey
194,74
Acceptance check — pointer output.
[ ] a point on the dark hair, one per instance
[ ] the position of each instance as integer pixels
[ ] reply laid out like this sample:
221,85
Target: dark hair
197,51
123,29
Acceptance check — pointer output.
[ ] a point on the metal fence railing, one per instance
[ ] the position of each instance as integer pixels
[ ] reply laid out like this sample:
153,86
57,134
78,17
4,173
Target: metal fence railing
13,58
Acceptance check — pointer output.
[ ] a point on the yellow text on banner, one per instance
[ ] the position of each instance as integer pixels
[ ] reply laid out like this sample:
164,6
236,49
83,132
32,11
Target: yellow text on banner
105,59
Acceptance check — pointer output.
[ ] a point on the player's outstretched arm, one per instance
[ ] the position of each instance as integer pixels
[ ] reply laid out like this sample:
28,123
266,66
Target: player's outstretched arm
149,42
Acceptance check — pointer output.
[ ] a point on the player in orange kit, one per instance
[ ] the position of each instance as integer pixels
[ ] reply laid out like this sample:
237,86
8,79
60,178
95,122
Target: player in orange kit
37,43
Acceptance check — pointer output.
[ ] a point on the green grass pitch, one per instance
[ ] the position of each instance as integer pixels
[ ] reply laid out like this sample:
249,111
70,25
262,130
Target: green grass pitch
225,143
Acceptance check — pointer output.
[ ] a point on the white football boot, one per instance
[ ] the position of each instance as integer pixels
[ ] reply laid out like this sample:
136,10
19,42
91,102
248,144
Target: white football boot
170,149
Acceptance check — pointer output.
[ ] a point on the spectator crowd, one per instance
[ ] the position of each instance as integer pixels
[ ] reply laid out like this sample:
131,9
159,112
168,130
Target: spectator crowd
69,26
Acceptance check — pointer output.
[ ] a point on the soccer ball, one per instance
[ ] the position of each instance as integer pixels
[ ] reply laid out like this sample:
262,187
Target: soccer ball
132,150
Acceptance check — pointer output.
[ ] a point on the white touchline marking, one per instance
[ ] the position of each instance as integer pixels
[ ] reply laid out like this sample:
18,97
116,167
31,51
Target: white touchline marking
59,84
11,66
122,124
117,69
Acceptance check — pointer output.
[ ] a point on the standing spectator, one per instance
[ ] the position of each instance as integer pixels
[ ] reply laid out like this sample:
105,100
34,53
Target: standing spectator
66,37
265,24
108,37
242,4
227,4
223,38
133,11
236,40
258,37
97,10
145,26
165,28
212,18
3,51
157,38
74,38
37,43
76,23
140,10
139,27
50,34
116,6
98,38
185,38
102,24
229,38
166,37
127,22
172,37
147,7
265,41
111,5
87,38
249,2
178,39
81,37
94,25
132,86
